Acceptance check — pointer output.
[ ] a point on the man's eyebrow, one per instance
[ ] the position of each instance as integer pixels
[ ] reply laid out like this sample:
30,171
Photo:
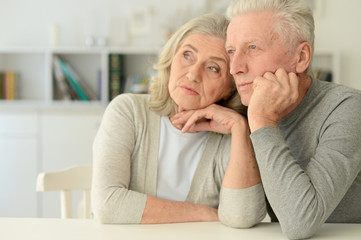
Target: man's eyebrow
228,45
251,41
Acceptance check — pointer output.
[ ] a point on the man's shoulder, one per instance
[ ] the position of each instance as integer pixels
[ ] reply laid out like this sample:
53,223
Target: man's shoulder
336,89
332,92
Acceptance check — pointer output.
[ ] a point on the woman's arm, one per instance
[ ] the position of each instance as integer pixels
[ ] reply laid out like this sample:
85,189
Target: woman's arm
242,201
112,200
242,171
159,210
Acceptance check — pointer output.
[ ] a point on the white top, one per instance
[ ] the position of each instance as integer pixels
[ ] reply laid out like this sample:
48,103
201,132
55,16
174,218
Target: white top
178,158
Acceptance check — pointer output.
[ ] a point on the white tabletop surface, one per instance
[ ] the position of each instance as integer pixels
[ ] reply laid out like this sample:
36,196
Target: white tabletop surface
53,229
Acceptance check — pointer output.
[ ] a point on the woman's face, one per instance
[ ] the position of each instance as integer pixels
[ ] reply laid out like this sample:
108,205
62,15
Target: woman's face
199,73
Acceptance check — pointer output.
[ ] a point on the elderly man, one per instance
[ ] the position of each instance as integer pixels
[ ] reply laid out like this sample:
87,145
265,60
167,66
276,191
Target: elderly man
305,133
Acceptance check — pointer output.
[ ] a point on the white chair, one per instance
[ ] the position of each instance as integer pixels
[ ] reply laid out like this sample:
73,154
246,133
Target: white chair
65,181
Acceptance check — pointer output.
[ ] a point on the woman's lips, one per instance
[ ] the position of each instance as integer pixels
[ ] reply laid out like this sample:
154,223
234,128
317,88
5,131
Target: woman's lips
189,91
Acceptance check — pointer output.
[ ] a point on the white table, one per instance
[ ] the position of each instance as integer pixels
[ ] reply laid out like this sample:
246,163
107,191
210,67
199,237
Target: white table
78,229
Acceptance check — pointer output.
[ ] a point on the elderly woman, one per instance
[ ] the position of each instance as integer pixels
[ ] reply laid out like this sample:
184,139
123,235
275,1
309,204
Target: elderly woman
147,171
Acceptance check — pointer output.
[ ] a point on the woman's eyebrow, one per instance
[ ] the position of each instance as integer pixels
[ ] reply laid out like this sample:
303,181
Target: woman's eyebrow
191,46
218,59
211,57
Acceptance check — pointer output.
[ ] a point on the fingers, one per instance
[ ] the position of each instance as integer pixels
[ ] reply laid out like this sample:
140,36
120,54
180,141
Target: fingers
196,120
187,119
199,127
273,96
283,82
294,85
193,119
213,118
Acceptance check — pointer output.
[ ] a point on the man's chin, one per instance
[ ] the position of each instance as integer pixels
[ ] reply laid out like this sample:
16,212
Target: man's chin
245,99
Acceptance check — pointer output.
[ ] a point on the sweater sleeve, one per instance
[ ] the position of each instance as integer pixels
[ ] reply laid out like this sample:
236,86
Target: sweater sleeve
112,201
242,208
303,199
238,208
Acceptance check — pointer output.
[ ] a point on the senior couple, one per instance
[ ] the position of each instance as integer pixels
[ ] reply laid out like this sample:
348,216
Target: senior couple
235,126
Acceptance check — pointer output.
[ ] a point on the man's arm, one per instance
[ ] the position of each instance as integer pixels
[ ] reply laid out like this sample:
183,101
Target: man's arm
303,199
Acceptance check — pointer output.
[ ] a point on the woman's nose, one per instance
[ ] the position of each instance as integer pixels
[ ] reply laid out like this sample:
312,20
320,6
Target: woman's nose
194,73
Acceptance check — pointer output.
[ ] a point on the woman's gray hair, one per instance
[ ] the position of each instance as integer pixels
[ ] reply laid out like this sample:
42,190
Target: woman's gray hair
212,24
295,18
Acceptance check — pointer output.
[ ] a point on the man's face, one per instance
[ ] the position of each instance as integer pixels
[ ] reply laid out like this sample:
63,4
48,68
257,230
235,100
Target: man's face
254,49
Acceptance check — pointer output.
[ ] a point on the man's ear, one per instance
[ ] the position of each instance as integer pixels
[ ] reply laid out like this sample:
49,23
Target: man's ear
303,54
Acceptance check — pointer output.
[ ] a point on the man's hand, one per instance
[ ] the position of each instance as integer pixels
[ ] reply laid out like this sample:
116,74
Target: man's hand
274,96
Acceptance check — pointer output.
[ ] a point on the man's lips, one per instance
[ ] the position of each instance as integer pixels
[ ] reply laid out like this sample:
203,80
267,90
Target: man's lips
189,91
244,85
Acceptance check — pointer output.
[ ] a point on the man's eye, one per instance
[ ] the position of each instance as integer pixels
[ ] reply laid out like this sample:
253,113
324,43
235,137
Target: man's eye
186,56
252,47
231,51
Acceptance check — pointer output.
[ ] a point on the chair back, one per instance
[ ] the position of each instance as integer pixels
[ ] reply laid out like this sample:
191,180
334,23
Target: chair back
74,178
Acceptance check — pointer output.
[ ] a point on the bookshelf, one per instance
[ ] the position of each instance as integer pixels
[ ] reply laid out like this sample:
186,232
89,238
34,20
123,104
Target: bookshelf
36,84
41,132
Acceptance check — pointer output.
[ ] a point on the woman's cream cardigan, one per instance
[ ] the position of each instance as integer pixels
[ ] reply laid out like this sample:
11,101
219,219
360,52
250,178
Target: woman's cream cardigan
125,157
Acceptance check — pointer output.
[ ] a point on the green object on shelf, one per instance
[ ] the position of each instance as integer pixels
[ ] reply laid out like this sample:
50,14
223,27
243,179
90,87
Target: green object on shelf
73,81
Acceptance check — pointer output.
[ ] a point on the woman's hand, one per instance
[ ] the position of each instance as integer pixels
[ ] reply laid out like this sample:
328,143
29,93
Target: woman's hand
214,118
242,170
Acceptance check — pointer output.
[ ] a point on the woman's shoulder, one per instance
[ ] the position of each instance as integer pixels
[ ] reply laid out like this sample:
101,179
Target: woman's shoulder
130,101
131,98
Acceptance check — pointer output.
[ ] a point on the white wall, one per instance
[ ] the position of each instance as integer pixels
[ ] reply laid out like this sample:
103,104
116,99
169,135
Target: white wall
339,27
27,22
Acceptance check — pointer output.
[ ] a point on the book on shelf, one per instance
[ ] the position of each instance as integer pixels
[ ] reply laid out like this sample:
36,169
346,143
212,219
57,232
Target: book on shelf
69,84
116,75
137,83
83,84
8,88
100,85
64,90
1,86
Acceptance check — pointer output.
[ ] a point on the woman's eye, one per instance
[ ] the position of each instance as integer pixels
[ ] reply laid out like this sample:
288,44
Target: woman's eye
214,69
252,47
186,56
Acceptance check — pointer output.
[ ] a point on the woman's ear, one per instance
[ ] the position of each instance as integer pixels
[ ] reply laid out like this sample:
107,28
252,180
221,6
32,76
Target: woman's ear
303,54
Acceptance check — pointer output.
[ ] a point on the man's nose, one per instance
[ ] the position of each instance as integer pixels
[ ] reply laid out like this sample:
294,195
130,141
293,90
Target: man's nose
238,63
